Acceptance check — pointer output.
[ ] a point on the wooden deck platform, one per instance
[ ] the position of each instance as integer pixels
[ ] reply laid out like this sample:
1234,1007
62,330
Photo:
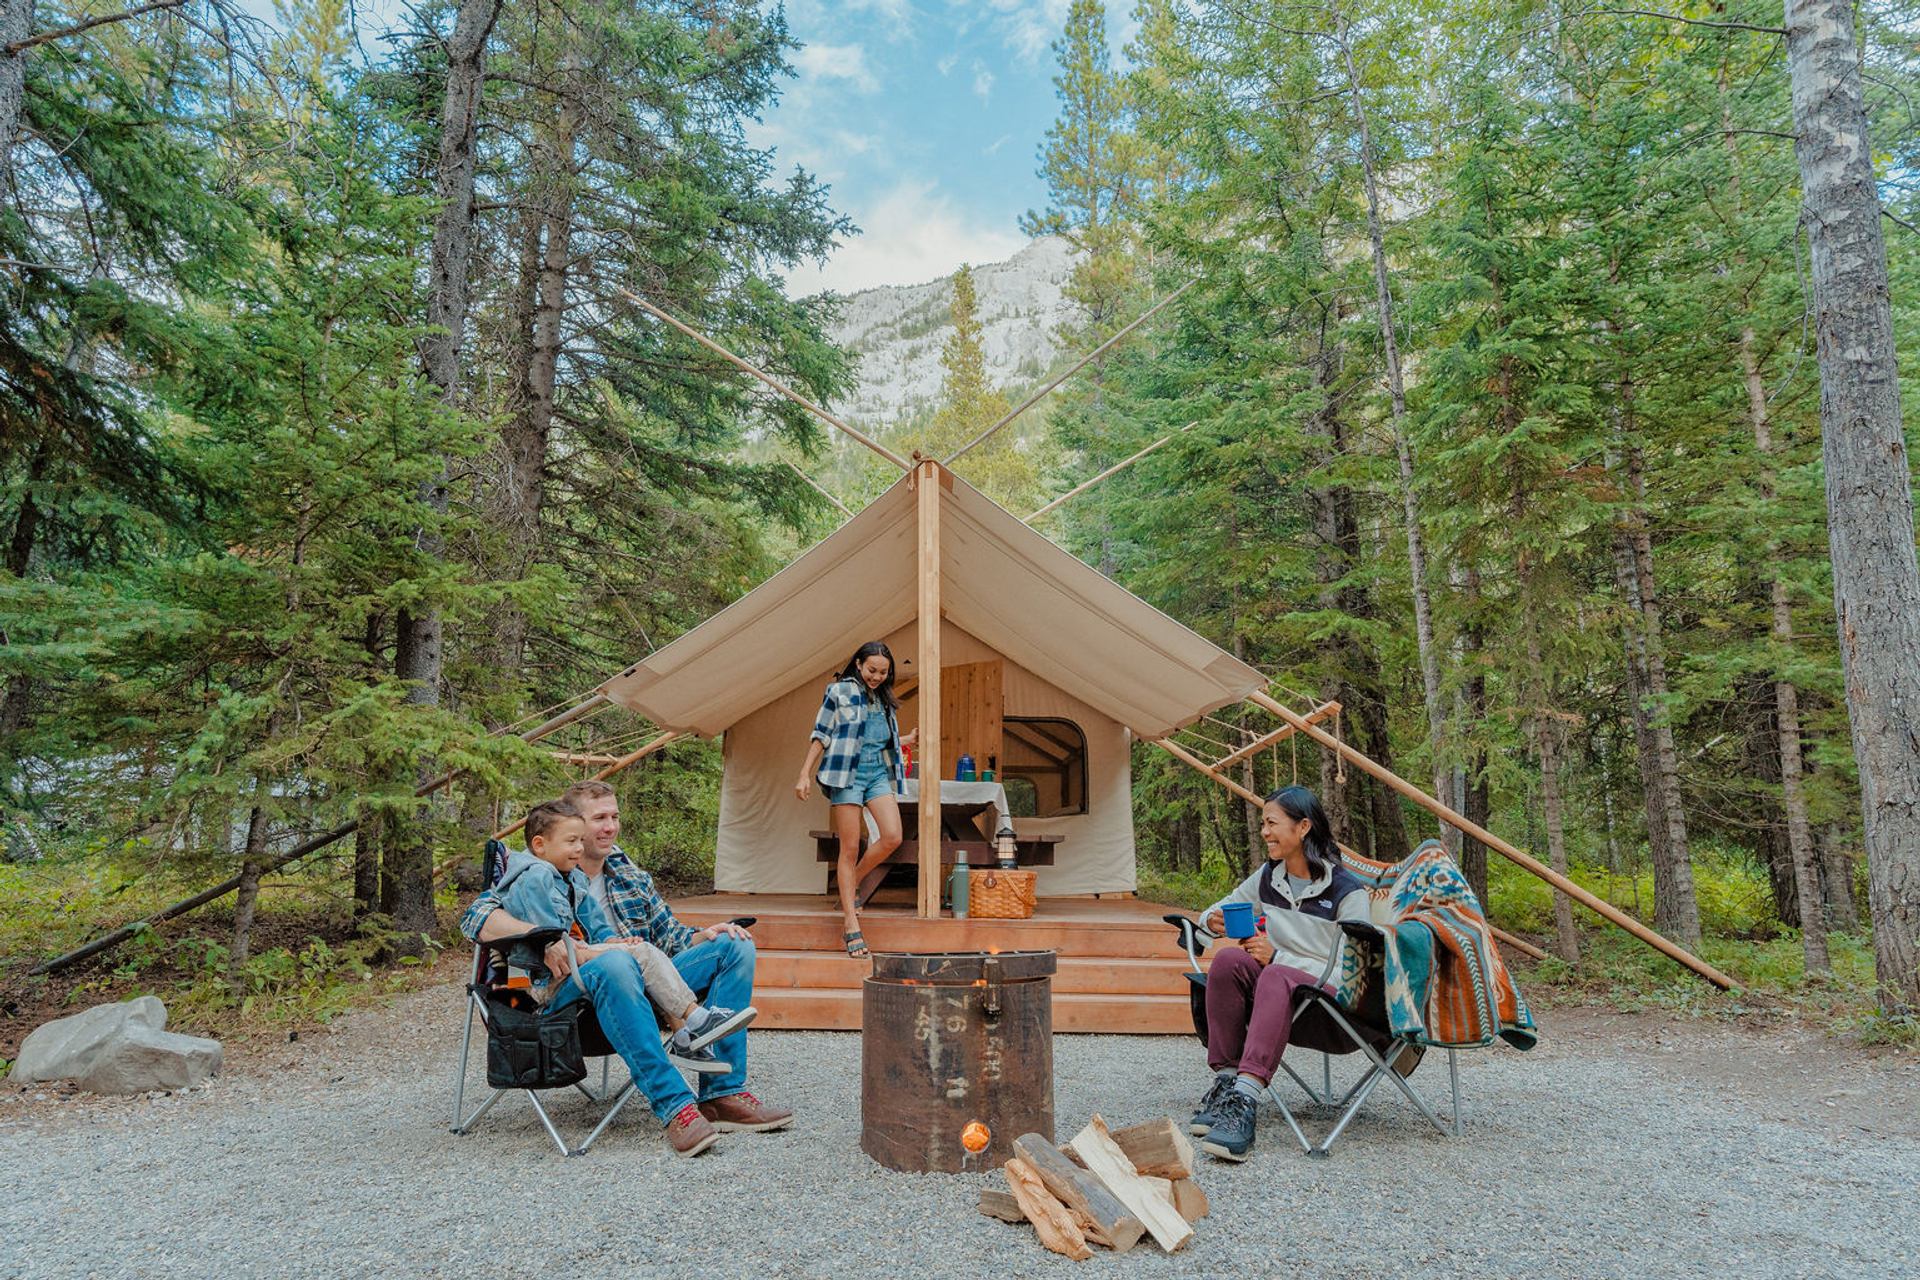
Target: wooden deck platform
1119,963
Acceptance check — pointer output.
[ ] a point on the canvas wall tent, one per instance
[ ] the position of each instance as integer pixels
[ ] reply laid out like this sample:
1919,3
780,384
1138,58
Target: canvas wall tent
1072,644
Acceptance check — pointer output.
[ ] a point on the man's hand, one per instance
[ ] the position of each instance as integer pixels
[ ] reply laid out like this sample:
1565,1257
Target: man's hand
1214,922
804,787
1260,947
725,929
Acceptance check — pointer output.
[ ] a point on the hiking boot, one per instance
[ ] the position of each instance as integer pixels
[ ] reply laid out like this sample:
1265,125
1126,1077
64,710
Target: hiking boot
1209,1113
1231,1137
690,1132
710,1023
703,1061
744,1113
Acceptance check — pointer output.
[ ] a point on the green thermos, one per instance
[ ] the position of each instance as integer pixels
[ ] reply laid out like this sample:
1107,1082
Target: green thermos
957,891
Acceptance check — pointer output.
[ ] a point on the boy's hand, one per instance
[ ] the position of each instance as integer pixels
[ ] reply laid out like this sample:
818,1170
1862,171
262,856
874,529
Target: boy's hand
557,963
725,929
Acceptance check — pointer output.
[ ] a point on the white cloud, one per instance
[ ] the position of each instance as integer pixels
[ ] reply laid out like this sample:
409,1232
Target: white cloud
912,234
1028,28
837,62
821,152
982,81
946,64
996,144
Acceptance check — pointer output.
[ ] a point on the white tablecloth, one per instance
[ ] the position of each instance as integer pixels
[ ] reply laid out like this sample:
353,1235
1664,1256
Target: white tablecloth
952,792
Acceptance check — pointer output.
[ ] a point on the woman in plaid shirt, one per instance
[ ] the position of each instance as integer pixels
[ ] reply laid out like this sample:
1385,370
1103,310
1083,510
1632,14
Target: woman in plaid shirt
856,752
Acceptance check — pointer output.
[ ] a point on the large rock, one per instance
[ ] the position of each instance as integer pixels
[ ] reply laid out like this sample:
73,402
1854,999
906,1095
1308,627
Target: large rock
116,1048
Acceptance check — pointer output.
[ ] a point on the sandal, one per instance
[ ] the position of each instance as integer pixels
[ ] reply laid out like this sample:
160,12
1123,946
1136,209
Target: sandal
856,945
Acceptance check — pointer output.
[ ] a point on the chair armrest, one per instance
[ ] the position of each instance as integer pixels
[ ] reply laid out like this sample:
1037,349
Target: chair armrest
533,937
1193,938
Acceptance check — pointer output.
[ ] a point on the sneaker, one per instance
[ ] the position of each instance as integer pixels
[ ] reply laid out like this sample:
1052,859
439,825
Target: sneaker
710,1023
1231,1137
744,1113
1209,1113
703,1060
690,1132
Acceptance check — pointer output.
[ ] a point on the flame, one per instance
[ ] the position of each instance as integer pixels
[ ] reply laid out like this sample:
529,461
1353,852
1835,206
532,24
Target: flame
993,951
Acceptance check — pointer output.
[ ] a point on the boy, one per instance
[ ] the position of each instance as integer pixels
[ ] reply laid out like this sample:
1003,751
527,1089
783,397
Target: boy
544,888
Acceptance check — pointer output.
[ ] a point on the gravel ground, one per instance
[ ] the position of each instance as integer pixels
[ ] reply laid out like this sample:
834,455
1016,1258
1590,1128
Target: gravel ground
1621,1146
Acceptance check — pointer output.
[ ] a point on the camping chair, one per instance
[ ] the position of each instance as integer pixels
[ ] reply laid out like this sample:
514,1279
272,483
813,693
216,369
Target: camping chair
490,975
1322,1025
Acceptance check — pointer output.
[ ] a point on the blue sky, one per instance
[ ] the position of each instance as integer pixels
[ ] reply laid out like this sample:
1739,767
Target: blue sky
925,117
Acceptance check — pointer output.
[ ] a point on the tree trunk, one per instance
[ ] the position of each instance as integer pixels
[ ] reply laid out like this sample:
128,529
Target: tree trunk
248,895
16,24
1836,870
525,438
1410,502
1676,911
1876,578
1185,833
417,656
366,867
1566,942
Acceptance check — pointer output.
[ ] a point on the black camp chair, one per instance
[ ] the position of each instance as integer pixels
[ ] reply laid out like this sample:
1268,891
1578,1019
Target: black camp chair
491,981
1322,1025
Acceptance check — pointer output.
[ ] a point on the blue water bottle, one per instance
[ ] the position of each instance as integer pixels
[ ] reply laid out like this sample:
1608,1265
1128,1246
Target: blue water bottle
963,772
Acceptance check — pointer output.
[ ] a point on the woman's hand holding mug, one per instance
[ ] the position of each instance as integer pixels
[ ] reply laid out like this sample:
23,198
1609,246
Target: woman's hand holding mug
1213,922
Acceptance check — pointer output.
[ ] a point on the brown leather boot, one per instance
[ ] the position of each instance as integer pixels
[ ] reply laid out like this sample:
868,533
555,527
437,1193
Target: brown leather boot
744,1113
690,1132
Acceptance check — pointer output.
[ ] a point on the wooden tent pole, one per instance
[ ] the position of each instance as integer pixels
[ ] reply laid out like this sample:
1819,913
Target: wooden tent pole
821,490
769,379
1084,361
1599,906
619,765
927,481
1121,465
108,941
1524,947
1325,711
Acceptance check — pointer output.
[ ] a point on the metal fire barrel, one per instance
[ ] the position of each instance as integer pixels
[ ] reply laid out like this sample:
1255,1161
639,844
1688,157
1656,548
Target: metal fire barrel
949,1039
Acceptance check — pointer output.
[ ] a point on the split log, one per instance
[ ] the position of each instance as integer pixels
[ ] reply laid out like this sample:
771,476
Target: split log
1158,1149
1000,1204
1056,1228
1107,1220
1096,1146
1189,1199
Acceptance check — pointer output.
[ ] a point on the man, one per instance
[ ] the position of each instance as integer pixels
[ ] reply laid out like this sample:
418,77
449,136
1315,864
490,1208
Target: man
542,889
717,961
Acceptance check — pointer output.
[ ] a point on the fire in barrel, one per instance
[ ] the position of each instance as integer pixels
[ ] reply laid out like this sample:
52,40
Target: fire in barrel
952,1039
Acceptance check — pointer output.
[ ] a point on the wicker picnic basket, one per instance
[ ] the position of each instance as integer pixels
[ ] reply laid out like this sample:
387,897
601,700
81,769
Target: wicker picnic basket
994,894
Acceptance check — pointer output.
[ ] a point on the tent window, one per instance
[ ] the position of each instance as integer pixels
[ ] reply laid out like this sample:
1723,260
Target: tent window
1044,766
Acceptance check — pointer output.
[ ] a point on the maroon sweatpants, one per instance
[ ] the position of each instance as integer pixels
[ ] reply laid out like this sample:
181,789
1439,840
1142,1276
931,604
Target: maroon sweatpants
1249,1012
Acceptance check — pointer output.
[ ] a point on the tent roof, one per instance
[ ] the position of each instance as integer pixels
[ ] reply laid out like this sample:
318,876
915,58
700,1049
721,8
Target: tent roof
1001,581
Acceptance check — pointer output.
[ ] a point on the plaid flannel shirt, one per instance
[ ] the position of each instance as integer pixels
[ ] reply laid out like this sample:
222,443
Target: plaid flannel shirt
637,909
843,714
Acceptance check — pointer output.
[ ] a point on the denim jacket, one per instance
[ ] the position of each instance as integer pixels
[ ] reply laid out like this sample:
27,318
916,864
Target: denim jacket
843,713
532,889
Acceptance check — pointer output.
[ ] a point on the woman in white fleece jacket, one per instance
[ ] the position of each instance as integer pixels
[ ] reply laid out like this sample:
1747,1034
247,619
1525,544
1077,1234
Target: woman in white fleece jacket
1304,892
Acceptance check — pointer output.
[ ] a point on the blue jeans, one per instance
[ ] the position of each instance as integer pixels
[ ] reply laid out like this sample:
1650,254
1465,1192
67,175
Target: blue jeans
721,972
619,998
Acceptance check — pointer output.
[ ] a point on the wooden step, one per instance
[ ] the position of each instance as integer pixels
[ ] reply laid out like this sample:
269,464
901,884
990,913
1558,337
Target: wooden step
788,931
838,1009
1107,975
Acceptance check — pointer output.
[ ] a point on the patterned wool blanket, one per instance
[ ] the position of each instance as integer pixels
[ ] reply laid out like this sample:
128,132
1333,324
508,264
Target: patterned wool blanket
1444,981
